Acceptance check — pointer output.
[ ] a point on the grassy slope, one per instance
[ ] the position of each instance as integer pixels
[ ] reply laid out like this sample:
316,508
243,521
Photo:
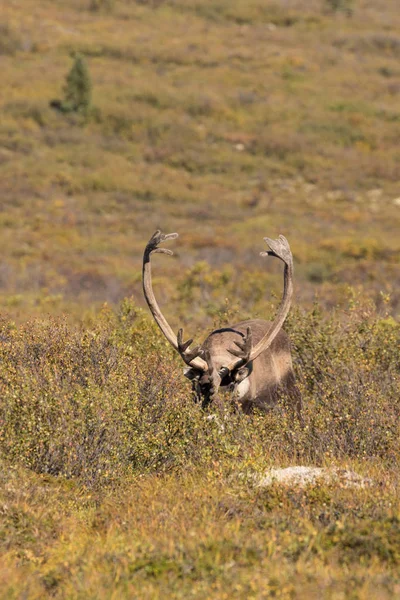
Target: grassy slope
226,121
199,536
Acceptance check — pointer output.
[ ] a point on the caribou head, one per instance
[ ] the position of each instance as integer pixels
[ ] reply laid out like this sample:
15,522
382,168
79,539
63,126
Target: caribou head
251,359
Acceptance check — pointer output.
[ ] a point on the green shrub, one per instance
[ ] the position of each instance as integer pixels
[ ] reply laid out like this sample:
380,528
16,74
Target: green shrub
77,89
98,403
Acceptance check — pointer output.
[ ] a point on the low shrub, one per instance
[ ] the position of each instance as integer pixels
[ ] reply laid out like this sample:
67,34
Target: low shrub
100,402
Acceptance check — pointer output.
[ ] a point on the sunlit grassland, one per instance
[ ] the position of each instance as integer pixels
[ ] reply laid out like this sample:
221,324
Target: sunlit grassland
224,121
199,536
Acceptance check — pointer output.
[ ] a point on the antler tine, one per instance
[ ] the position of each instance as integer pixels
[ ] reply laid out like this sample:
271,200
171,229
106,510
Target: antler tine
244,346
183,346
183,349
279,248
159,238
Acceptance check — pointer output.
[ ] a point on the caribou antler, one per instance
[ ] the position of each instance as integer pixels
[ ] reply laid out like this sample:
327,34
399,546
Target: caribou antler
243,349
183,349
280,249
191,358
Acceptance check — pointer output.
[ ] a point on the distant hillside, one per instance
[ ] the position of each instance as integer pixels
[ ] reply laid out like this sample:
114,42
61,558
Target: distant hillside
225,120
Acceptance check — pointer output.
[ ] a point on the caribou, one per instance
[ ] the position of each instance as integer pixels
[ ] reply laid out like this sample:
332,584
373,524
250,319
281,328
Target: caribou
251,359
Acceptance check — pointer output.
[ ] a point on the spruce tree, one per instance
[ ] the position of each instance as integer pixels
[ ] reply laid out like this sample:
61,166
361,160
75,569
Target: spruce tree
78,87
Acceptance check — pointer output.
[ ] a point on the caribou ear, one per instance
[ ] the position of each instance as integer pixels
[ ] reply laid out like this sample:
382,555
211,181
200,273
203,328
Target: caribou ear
241,374
191,374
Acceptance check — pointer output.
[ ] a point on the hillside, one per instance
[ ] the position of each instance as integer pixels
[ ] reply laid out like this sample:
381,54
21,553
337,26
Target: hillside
224,121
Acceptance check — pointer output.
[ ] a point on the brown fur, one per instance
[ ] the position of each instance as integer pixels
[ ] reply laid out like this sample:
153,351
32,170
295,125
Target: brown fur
270,374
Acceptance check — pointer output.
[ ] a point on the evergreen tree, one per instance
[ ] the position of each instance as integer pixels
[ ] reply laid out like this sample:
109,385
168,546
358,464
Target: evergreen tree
78,87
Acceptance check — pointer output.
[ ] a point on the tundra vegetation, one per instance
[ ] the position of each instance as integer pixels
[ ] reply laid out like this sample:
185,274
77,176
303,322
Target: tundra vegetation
226,121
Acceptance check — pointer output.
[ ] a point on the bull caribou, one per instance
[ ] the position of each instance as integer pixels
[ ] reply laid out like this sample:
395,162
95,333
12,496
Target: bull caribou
251,359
